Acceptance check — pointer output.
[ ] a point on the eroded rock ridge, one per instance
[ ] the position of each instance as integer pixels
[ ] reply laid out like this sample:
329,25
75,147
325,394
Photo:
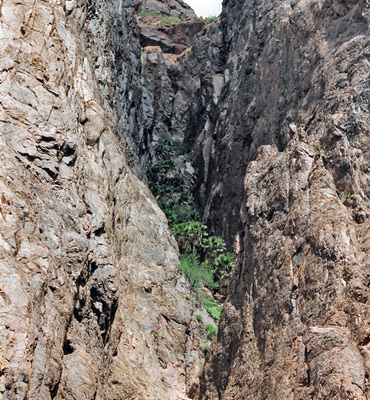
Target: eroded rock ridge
272,101
92,305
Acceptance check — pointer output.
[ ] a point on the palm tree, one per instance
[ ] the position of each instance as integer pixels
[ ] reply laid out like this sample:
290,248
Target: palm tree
213,246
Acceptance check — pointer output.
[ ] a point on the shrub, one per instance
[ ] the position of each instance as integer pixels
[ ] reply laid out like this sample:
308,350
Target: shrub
211,331
167,183
189,236
211,19
170,21
199,318
213,247
197,274
213,307
345,196
147,13
223,265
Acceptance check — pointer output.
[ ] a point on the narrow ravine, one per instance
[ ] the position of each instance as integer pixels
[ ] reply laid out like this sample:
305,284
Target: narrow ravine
184,202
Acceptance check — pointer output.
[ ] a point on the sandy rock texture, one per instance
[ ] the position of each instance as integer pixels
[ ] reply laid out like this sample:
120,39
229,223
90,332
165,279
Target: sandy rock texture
91,304
294,122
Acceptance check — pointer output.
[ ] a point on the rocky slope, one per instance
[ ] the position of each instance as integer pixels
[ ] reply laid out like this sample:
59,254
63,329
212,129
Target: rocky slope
92,305
295,324
273,103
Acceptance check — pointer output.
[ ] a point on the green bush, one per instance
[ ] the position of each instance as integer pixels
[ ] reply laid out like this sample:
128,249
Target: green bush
345,196
198,275
169,21
213,307
189,236
211,331
223,265
180,148
213,247
199,318
211,19
167,183
147,13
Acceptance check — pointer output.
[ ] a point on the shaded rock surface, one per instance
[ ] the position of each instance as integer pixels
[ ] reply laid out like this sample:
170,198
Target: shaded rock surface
92,305
172,38
280,90
295,324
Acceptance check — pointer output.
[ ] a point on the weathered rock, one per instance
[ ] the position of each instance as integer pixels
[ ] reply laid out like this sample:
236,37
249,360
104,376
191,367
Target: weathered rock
92,305
173,38
183,93
274,102
295,324
172,8
292,326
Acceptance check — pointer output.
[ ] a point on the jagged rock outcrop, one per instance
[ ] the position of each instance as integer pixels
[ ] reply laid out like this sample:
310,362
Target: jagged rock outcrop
172,38
91,303
172,8
295,324
273,101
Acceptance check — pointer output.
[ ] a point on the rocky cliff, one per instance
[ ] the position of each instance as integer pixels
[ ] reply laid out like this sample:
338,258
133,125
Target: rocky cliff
92,305
275,104
293,137
272,102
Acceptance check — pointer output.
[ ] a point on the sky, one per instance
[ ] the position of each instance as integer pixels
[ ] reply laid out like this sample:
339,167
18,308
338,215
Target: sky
205,8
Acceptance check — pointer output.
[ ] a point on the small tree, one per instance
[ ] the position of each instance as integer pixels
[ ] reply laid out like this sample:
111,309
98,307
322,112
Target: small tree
198,274
223,265
189,236
213,247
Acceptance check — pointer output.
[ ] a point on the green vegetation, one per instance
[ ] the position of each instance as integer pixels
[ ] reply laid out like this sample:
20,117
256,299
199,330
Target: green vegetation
345,196
224,264
203,258
213,307
211,19
206,254
213,247
199,318
147,13
168,185
189,236
211,331
198,273
170,21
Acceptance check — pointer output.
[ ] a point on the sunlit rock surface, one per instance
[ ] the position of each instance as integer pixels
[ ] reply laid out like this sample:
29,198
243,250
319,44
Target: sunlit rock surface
92,305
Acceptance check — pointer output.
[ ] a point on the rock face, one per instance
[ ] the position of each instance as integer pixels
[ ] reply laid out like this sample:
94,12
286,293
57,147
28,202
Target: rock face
295,324
92,305
273,101
172,8
173,39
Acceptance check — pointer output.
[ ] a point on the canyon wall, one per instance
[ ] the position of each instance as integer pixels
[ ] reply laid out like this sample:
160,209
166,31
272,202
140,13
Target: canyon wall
92,305
272,101
293,137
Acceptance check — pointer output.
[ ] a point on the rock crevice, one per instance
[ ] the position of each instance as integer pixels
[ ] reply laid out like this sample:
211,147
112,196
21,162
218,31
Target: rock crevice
272,103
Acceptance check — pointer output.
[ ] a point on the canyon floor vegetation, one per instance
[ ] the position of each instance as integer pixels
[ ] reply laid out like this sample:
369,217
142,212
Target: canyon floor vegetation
203,258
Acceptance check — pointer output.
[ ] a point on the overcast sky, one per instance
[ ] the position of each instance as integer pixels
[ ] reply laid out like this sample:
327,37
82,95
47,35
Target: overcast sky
205,8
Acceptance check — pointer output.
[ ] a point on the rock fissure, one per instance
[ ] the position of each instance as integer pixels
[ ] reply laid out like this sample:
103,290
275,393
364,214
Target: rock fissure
252,132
